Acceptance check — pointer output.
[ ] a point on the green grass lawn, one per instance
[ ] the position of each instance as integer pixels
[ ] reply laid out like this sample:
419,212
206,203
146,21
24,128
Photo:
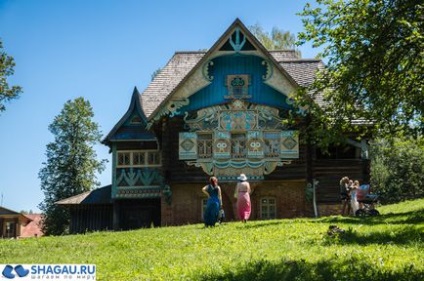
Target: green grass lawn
387,247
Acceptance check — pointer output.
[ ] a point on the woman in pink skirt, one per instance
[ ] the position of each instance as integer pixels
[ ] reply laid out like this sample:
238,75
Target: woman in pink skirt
242,193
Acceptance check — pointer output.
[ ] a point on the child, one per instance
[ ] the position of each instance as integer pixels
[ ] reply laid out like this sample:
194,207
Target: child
221,216
353,197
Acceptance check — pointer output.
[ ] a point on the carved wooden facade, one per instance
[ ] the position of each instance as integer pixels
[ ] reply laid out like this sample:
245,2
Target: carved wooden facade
222,113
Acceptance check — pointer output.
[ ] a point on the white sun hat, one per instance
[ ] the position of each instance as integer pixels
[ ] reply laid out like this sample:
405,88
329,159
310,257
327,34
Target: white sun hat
242,177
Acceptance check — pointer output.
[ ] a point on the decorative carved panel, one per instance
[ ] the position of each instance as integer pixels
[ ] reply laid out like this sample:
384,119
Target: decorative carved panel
238,86
188,145
247,138
289,144
222,145
138,183
255,144
238,120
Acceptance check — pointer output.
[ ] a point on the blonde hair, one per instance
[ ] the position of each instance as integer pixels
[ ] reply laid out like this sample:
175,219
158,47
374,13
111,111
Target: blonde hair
344,179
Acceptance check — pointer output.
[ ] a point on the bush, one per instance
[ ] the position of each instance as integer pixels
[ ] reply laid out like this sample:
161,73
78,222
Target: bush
397,169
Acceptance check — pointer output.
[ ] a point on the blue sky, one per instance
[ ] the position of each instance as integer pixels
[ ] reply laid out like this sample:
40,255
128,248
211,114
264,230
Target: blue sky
100,50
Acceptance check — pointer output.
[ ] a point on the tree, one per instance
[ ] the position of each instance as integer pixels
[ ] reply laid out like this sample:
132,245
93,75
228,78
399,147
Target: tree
375,69
277,40
397,168
71,162
7,92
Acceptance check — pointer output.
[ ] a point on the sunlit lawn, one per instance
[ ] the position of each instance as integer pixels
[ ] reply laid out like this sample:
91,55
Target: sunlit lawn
387,247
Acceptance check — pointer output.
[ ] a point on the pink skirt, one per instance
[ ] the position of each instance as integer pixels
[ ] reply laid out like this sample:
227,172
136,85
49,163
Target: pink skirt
243,205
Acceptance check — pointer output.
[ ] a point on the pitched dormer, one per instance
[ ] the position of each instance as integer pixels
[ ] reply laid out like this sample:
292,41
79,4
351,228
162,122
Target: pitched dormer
132,126
136,155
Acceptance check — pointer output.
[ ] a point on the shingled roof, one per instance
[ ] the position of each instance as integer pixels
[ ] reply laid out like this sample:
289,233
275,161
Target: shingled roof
303,71
168,79
100,195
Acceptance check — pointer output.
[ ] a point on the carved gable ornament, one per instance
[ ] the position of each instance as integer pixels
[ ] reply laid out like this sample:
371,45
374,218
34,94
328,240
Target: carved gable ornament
238,86
227,139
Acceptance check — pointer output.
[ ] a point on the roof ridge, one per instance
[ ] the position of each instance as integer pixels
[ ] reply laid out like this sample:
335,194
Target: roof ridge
191,52
300,60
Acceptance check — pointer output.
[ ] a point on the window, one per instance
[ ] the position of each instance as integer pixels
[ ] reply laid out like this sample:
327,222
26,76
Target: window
153,158
272,144
10,229
204,146
124,158
238,145
138,158
268,208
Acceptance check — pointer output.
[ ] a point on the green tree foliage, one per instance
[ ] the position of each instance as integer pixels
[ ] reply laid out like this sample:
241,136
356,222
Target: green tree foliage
397,168
277,40
7,92
71,162
375,69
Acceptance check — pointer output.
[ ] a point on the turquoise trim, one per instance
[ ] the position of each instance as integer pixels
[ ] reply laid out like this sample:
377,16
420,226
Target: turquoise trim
114,161
239,42
217,92
138,177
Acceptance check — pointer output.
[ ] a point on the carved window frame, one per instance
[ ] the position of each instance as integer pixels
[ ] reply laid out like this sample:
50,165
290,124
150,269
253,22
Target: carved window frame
205,145
138,158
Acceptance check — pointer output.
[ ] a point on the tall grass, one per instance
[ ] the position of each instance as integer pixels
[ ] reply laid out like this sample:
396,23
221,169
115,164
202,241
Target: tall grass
387,247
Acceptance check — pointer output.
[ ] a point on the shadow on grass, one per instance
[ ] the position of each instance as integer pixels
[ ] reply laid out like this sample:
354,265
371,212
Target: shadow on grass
259,224
327,270
391,218
404,236
405,218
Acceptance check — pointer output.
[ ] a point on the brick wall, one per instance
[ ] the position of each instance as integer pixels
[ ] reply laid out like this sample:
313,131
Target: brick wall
329,209
186,205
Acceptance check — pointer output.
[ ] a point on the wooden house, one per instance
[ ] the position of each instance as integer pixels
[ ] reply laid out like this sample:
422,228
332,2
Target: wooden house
18,225
219,112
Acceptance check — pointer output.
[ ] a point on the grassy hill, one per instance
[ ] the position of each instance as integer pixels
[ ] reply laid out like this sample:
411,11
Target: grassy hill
387,247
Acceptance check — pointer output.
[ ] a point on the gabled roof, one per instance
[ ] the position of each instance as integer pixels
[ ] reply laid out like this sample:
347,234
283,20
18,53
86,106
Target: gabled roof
168,79
7,213
135,106
100,195
304,72
183,64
